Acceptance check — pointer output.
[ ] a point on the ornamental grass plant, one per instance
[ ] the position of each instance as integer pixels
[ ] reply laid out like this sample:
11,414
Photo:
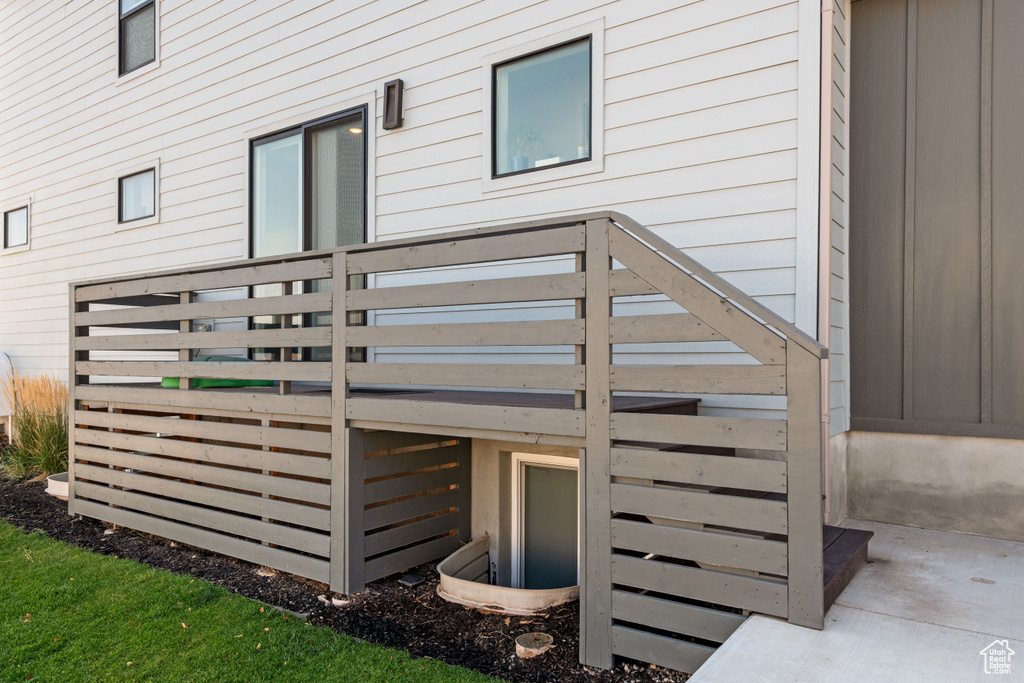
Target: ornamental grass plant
39,438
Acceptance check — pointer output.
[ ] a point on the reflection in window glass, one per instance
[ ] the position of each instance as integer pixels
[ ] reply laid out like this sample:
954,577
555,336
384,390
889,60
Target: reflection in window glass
336,186
16,227
308,192
138,34
277,197
542,109
138,196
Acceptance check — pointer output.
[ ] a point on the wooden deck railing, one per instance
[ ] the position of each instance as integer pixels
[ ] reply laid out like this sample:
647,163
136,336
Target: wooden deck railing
319,477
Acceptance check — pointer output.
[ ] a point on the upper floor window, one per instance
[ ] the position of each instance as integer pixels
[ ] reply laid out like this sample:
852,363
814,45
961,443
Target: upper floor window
137,34
136,196
308,186
541,109
16,227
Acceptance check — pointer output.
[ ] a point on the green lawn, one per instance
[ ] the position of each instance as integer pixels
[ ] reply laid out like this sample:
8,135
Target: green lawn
68,615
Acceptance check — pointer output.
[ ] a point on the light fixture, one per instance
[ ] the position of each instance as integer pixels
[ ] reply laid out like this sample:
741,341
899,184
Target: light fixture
355,131
393,104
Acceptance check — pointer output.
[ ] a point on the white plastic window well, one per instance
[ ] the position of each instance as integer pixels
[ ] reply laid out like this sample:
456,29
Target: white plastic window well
137,196
16,227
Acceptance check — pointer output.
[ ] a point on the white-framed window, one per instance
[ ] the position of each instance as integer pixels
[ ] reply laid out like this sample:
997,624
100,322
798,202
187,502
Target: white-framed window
16,226
136,34
545,521
136,196
543,109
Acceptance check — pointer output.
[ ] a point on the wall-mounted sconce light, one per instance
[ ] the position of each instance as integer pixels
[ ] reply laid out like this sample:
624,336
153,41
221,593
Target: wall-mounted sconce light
393,104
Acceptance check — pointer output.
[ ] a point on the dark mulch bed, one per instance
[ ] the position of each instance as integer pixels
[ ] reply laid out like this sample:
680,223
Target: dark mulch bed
416,619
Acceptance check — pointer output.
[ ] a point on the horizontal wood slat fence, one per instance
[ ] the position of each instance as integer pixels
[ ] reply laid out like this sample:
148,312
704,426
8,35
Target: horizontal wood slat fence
342,451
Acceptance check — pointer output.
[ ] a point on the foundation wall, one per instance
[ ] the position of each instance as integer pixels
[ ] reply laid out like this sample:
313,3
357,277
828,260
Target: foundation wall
964,484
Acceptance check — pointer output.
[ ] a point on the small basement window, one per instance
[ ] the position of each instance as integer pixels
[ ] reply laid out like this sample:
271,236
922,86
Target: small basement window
136,34
137,196
541,109
16,227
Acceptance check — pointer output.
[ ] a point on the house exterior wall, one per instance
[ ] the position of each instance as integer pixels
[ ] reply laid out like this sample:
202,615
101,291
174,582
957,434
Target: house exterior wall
700,134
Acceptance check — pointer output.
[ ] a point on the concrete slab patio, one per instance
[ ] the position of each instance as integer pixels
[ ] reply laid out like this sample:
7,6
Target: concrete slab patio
923,609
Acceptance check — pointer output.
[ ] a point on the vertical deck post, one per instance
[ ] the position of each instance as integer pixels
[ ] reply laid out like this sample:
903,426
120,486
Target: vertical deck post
804,457
344,553
465,489
595,505
73,380
185,355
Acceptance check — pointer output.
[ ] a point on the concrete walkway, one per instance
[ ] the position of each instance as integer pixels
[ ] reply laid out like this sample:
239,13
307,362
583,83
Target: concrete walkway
922,610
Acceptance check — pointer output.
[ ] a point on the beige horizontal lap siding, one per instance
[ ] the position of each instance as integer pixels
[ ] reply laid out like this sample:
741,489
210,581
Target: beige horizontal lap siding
700,108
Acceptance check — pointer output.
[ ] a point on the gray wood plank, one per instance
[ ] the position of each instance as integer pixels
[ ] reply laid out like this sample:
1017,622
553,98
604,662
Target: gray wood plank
354,456
300,439
755,594
299,372
549,242
389,489
736,295
755,474
410,461
287,463
595,505
709,306
696,430
293,563
284,487
756,514
279,534
532,333
805,456
677,617
910,212
768,380
709,547
567,377
486,231
449,431
228,308
298,336
985,201
655,329
384,541
878,92
623,282
227,275
465,490
386,565
73,384
238,401
343,550
230,501
504,290
945,330
392,513
388,440
675,654
1007,215
455,415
